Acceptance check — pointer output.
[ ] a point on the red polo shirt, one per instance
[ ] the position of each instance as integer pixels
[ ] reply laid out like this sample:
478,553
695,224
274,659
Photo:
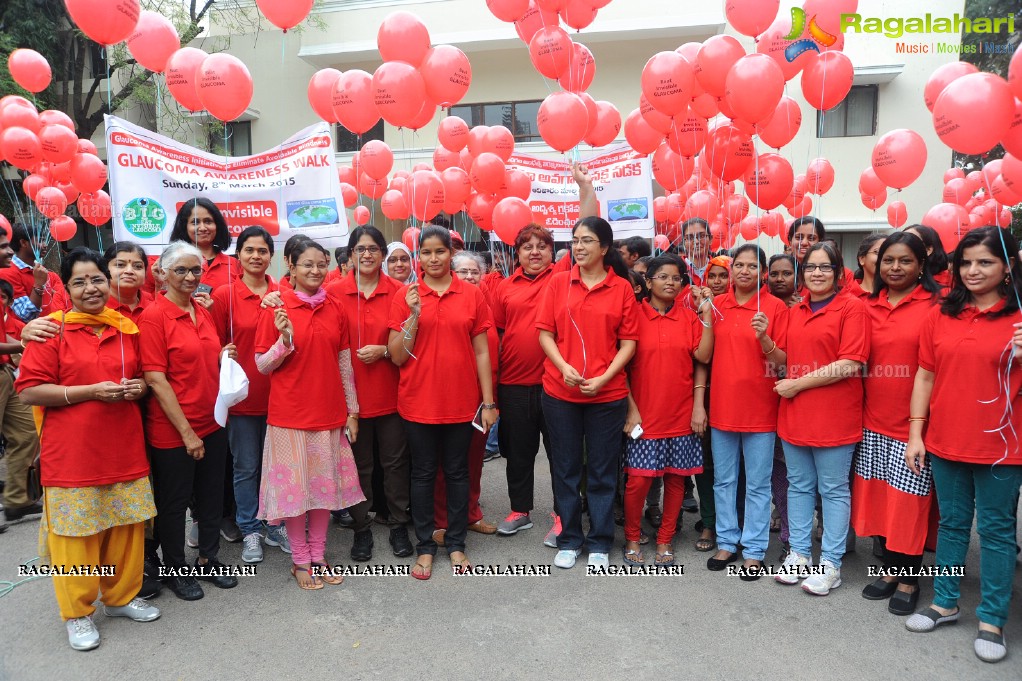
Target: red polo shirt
237,305
855,289
893,360
12,326
220,271
515,306
965,356
441,384
21,280
742,398
69,455
831,415
134,314
189,355
663,357
587,324
306,392
369,324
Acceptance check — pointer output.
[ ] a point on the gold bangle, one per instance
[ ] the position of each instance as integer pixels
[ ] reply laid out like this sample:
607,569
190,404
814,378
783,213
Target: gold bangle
698,385
66,398
918,418
774,347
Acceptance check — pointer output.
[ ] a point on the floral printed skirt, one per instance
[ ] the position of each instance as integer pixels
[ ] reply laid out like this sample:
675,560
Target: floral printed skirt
305,470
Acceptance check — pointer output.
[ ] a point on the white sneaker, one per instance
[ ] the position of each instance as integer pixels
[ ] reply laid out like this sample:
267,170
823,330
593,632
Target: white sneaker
821,584
565,558
82,634
253,548
137,610
599,560
193,535
793,568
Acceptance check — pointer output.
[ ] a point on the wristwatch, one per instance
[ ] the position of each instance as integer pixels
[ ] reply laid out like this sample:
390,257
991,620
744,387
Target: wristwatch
386,352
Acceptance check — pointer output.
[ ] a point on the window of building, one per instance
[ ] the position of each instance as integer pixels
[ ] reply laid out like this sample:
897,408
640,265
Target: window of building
239,139
518,117
855,116
347,141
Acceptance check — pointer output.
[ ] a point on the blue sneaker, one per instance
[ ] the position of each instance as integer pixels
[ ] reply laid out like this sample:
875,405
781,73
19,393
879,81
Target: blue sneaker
276,535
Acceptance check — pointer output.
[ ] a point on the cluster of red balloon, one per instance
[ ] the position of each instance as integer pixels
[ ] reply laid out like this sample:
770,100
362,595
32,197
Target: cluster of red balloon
898,159
702,104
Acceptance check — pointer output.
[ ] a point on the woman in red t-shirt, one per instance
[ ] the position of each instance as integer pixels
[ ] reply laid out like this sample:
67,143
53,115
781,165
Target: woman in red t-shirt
202,224
966,414
866,256
97,497
937,260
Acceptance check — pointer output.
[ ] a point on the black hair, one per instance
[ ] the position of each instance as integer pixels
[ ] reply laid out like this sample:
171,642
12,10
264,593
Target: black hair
781,256
665,259
639,281
645,260
833,254
605,233
7,290
918,248
638,245
82,255
756,250
695,221
436,232
356,236
937,261
254,232
821,231
19,235
222,239
342,254
291,242
1003,245
304,245
125,247
864,246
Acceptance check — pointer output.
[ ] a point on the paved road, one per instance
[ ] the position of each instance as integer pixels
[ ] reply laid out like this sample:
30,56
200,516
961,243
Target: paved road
701,625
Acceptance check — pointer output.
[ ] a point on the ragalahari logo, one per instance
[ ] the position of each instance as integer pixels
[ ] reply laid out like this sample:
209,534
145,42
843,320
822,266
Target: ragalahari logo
800,45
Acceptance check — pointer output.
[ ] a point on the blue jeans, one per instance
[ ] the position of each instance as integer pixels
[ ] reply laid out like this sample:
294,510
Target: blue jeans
757,452
824,469
598,427
491,438
246,435
963,488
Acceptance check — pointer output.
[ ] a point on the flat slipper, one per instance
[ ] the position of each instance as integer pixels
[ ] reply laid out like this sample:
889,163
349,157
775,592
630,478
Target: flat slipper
461,567
425,571
706,544
930,619
989,646
634,558
665,559
317,584
326,574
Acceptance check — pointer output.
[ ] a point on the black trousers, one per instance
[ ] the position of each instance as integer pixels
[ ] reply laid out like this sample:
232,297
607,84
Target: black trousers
521,426
177,479
433,445
388,435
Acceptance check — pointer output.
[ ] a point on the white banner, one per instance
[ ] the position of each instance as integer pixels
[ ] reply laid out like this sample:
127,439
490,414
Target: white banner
621,177
290,189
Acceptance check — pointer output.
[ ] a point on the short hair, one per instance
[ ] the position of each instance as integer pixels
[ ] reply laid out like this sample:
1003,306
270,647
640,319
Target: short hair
356,235
533,230
176,250
78,255
222,239
821,231
638,245
125,247
665,259
342,254
789,258
833,255
254,232
469,255
291,242
19,235
7,290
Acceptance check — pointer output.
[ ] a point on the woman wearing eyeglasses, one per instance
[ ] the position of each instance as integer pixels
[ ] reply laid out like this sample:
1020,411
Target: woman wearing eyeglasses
588,326
398,263
804,233
188,450
695,237
201,224
828,341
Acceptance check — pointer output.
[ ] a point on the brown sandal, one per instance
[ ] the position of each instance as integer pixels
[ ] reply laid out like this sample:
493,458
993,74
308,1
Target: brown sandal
326,574
316,585
461,565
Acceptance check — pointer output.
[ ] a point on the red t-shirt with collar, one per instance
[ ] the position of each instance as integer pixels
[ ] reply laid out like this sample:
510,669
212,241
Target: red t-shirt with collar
134,314
663,358
306,391
369,324
587,324
893,360
69,456
742,397
441,383
830,415
189,355
515,306
332,276
149,283
12,326
236,302
22,281
222,270
965,356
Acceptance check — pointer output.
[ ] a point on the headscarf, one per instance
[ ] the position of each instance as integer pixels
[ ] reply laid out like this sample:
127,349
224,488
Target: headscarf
398,246
720,261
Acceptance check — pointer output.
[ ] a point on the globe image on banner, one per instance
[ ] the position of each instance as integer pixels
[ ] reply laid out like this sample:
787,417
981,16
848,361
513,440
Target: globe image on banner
628,209
312,213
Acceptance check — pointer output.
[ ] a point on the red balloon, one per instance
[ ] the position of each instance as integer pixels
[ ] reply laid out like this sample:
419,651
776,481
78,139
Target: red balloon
88,173
153,40
371,187
447,74
581,70
1011,171
550,51
827,81
225,86
61,172
661,242
870,184
349,194
444,159
705,106
950,221
402,37
353,103
20,117
87,147
534,19
285,14
953,173
670,169
660,209
607,126
642,138
53,117
578,13
1012,140
974,112
975,181
675,207
398,91
95,208
509,216
1003,194
942,77
768,180
874,201
660,122
477,140
1015,74
105,21
321,93
394,206
487,173
819,176
897,214
69,191
899,157
457,185
62,228
715,58
32,184
687,134
728,152
58,143
753,87
562,120
735,208
956,191
29,69
499,140
20,147
376,158
751,17
774,44
783,125
508,10
703,204
410,238
427,194
772,224
453,133
667,82
424,117
480,209
183,76
362,216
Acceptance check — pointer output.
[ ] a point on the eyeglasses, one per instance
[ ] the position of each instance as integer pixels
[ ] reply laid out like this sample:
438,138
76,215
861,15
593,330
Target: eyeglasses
312,266
585,241
826,269
372,250
184,271
465,273
664,278
82,283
